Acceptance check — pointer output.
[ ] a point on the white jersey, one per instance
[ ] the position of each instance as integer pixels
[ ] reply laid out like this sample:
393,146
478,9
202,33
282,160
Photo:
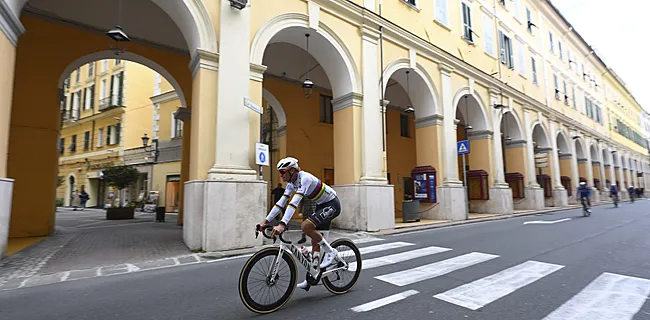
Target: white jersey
306,185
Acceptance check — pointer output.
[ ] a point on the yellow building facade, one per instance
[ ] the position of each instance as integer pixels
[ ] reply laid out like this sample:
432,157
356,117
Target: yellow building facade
397,84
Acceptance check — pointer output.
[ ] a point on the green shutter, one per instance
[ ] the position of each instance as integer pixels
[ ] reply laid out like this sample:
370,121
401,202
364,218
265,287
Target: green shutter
92,96
119,89
117,132
110,93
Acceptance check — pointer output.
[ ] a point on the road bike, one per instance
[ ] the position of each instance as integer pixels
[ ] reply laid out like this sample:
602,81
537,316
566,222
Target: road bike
585,210
268,277
615,200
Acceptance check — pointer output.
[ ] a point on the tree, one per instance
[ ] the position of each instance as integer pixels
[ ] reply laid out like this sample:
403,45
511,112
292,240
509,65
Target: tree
121,177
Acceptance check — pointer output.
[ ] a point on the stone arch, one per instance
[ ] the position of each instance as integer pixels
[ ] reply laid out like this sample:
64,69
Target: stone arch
68,191
478,120
424,93
580,149
542,137
516,132
191,17
593,151
605,157
563,144
276,106
108,54
325,46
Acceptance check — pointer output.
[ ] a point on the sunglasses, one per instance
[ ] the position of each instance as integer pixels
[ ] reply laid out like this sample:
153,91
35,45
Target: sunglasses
282,171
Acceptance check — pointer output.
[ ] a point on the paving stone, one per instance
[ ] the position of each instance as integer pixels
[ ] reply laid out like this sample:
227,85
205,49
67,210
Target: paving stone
156,264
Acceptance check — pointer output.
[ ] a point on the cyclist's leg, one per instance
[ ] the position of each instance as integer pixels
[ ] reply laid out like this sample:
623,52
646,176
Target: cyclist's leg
321,220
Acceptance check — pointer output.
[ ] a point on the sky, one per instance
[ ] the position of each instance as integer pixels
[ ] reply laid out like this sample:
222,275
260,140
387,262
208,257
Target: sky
617,31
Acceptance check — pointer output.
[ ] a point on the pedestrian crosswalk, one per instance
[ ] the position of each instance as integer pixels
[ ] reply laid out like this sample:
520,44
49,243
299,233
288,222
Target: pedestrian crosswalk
608,296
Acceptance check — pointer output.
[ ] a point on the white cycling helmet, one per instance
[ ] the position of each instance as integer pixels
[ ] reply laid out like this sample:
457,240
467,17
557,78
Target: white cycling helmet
287,163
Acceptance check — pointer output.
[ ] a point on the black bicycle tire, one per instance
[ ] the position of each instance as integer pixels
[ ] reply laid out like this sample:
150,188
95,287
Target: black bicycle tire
331,287
244,295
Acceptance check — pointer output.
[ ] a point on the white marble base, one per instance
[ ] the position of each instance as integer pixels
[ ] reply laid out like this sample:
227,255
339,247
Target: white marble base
500,202
534,199
451,203
623,195
572,198
595,196
365,207
6,196
221,215
604,196
560,198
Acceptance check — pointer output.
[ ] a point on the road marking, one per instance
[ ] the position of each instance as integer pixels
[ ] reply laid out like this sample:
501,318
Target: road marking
383,301
546,221
480,293
398,257
377,248
610,296
429,271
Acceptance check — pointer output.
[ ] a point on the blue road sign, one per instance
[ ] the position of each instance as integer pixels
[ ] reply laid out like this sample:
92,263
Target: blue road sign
463,147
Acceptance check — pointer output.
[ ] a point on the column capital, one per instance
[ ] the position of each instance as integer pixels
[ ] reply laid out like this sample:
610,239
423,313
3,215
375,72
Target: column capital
424,122
445,69
479,135
10,24
257,72
351,99
369,33
202,59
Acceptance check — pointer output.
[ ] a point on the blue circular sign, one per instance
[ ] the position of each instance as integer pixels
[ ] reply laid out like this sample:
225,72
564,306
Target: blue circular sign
262,157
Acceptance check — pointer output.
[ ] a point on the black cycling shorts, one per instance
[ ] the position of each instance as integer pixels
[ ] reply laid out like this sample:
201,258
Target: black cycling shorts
325,213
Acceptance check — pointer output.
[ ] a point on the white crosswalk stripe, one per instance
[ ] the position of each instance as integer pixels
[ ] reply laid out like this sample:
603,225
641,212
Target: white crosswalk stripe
383,301
610,296
481,292
398,257
436,269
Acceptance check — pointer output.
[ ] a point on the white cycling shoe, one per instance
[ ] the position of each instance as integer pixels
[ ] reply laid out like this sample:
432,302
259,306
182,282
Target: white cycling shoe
328,258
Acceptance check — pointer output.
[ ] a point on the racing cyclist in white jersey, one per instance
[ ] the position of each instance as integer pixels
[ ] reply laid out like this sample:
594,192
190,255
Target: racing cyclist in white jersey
328,207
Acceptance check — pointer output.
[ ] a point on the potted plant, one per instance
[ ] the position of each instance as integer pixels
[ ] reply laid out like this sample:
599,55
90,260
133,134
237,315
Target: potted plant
120,177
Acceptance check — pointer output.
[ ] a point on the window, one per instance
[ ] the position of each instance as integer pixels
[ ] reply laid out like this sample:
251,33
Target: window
568,53
61,145
557,87
534,69
529,17
520,58
104,65
118,61
326,109
102,94
78,75
108,135
73,145
404,126
441,12
503,3
566,96
86,140
177,127
467,23
515,8
573,94
507,56
488,34
100,137
559,48
550,37
91,69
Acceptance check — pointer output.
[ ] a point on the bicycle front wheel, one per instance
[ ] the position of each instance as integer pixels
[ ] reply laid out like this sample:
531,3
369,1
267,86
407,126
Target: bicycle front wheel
257,290
342,281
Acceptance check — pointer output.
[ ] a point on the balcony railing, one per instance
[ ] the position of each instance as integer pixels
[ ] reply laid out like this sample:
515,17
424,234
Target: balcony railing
114,100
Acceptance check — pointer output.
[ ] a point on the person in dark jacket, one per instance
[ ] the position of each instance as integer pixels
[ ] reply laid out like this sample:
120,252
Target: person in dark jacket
584,194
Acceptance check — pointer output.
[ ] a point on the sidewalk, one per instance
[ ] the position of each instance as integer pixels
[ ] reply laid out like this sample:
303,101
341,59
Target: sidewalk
85,245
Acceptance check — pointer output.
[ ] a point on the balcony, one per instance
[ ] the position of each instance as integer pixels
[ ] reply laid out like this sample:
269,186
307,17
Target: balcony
112,101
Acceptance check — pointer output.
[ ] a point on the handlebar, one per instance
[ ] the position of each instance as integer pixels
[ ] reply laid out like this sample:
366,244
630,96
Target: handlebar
267,227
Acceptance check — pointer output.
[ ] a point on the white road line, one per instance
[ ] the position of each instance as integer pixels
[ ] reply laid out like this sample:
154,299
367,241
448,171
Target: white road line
610,296
383,301
377,248
398,257
546,221
429,271
480,293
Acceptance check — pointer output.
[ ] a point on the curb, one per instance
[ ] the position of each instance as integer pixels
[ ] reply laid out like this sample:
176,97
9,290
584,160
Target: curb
494,218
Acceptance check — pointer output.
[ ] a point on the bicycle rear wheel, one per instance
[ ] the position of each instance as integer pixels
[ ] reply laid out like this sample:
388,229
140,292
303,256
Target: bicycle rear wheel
257,270
334,282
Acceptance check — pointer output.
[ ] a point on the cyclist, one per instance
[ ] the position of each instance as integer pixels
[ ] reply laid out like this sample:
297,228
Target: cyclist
584,192
328,207
613,192
630,190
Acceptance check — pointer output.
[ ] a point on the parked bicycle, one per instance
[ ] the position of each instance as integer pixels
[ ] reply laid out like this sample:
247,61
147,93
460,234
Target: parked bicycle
267,276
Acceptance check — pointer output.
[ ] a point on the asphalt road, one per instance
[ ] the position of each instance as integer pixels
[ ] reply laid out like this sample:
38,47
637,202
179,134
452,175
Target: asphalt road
579,268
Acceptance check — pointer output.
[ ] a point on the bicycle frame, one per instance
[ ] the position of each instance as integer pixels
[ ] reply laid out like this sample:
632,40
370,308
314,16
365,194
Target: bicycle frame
292,249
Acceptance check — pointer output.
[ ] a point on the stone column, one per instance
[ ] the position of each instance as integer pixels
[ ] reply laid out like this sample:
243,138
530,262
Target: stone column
12,29
222,209
534,193
452,199
560,197
595,196
603,185
575,172
612,173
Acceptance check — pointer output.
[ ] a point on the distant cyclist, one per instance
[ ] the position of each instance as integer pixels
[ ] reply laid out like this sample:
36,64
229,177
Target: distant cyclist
328,207
613,193
584,193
